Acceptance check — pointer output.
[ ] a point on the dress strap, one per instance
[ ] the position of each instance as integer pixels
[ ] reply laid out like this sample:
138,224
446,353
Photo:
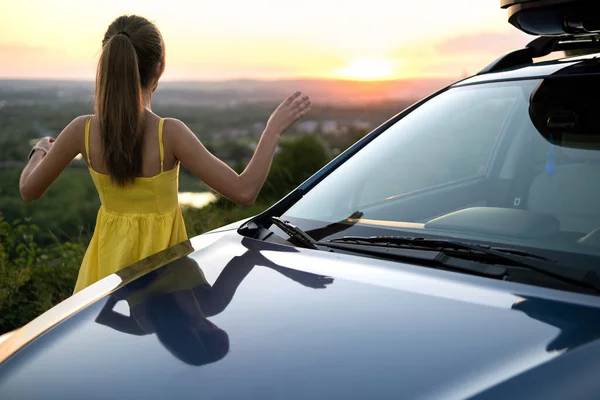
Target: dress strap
87,140
160,143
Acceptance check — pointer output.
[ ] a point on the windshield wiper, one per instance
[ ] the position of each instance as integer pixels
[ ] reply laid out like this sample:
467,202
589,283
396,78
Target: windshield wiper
294,232
384,245
424,256
515,257
429,257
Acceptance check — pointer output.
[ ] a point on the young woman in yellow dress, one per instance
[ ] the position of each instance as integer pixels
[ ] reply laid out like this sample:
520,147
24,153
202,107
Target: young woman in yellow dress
134,155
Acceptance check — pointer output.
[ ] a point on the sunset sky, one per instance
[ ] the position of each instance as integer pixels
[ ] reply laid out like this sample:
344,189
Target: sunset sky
264,39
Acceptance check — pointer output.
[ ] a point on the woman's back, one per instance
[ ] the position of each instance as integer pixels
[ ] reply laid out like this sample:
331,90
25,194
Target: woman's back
155,191
150,146
134,220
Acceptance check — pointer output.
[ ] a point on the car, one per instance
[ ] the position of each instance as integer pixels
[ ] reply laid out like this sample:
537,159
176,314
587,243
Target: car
453,252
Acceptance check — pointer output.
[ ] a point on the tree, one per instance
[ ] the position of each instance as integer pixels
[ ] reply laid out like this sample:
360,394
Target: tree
297,160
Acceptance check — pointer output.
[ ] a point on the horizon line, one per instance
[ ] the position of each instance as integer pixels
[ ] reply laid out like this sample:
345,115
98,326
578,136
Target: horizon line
230,80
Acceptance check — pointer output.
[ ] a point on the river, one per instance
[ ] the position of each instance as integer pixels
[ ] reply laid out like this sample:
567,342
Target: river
196,199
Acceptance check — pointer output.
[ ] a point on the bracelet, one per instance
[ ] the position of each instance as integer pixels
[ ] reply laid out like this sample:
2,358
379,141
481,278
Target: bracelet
34,148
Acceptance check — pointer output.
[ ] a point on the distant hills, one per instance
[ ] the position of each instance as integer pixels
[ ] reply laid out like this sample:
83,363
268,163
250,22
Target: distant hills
321,91
235,92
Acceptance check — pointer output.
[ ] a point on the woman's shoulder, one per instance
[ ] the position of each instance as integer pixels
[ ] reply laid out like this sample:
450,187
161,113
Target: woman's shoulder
173,128
173,123
75,129
80,121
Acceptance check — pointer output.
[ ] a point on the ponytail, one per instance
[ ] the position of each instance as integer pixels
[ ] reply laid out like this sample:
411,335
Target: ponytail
120,108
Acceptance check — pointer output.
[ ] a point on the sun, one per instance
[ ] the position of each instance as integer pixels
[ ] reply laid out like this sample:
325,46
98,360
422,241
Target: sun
369,69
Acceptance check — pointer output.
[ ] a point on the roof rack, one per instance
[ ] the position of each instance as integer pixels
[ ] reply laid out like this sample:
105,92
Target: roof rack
540,47
554,17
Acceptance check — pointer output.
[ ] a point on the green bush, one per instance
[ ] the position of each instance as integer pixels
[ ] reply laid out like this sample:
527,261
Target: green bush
33,278
297,160
68,209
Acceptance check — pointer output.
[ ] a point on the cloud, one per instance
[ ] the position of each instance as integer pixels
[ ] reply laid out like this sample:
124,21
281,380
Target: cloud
485,43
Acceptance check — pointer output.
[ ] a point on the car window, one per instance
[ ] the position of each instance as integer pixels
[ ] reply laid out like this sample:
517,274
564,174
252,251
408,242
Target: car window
449,138
514,162
460,137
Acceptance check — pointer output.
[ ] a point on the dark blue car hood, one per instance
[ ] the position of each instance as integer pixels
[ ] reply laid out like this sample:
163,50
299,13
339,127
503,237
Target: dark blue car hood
240,318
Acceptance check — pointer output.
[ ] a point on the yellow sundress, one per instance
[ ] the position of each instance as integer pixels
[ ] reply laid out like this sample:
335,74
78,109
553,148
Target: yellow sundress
134,221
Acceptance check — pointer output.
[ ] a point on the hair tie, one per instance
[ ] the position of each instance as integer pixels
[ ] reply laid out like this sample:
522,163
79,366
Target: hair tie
123,33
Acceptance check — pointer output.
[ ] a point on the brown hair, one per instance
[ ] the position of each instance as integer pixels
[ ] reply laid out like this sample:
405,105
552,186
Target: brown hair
132,51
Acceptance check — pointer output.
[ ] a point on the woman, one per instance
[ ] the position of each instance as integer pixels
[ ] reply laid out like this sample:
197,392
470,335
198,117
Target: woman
133,155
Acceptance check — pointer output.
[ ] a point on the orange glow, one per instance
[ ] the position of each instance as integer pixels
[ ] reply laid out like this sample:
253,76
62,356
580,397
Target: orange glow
262,39
370,69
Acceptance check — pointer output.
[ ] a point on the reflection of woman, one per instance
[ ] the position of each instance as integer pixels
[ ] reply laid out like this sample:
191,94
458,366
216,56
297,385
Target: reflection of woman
173,304
176,301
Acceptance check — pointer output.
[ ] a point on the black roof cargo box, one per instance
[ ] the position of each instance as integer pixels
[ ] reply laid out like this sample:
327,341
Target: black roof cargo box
554,17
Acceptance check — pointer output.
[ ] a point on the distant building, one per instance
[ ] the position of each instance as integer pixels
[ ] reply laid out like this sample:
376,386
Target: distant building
361,125
258,128
233,133
329,127
307,127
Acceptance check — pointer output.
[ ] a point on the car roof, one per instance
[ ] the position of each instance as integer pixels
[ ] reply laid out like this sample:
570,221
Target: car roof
587,64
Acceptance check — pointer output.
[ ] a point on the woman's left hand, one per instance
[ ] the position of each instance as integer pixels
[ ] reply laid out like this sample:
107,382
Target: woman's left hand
46,142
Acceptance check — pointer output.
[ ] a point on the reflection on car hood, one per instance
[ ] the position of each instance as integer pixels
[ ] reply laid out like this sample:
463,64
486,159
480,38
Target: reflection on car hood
243,318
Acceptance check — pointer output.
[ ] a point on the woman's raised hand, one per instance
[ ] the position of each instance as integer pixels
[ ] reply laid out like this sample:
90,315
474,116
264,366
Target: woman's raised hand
291,110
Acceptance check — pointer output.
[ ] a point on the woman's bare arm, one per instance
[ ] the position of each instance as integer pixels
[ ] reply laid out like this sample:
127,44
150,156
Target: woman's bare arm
43,169
240,188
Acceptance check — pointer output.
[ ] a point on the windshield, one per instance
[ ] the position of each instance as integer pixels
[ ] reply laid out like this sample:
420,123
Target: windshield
511,163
